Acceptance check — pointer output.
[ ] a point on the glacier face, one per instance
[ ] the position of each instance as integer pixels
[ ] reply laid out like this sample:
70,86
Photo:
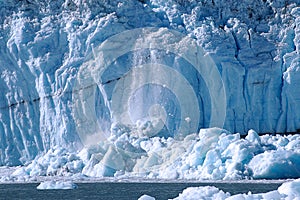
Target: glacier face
45,44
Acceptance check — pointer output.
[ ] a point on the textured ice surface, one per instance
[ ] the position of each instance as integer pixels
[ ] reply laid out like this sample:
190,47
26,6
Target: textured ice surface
45,44
56,162
271,164
213,154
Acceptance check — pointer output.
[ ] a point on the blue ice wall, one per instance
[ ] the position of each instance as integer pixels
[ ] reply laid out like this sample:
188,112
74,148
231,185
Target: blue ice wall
44,44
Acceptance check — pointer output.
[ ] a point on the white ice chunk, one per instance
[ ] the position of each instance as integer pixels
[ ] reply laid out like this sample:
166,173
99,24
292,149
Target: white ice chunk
276,165
56,185
208,192
146,197
290,189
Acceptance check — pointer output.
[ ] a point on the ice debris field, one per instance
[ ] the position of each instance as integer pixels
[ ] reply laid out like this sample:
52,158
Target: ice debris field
288,191
213,154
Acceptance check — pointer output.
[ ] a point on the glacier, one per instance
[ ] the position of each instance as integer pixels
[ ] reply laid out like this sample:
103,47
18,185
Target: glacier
52,96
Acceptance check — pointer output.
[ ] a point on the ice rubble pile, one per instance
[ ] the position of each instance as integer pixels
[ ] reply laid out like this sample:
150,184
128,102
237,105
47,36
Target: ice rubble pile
213,154
288,190
56,162
43,44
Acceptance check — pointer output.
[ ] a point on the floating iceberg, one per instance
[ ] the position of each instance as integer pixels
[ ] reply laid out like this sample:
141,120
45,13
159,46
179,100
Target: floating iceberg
146,197
208,192
56,185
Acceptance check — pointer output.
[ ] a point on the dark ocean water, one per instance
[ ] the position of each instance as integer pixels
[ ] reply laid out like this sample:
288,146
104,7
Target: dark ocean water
126,191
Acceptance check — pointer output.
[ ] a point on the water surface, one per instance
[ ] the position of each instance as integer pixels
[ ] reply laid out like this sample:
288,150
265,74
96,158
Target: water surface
126,191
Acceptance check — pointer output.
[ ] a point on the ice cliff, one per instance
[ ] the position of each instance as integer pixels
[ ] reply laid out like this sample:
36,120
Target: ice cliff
45,46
